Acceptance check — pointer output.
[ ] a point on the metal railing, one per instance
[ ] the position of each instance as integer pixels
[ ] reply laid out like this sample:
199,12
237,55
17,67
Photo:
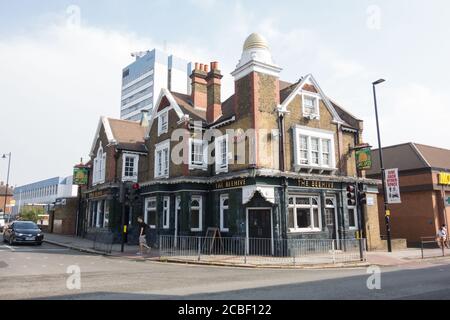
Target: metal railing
433,247
103,241
253,251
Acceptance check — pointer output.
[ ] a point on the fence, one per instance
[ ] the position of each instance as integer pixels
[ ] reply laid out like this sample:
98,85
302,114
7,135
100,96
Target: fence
430,247
253,251
103,241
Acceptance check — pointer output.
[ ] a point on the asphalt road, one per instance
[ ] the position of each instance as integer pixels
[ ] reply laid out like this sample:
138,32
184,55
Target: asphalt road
31,272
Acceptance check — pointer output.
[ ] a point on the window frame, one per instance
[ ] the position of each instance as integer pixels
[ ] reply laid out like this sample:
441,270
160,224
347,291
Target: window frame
166,212
311,207
219,166
316,104
204,164
134,177
99,173
222,198
200,212
152,209
355,217
310,134
163,127
161,147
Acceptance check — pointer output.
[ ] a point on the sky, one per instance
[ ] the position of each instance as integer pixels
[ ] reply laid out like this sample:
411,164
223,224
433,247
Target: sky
61,62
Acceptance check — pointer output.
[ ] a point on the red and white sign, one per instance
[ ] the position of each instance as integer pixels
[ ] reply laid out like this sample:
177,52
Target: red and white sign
392,184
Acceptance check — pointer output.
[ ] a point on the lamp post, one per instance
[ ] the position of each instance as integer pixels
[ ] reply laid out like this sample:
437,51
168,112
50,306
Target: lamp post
386,215
7,155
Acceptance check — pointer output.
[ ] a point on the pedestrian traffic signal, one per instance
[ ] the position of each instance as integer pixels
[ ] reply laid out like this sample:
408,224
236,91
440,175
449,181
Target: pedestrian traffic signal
351,195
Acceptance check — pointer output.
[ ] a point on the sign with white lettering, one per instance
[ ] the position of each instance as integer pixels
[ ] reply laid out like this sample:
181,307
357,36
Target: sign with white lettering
392,185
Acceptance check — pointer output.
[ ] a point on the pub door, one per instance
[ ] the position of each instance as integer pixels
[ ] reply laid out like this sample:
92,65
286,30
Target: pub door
260,231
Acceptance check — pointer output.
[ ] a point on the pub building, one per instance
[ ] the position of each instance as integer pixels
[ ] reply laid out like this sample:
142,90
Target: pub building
424,179
277,166
117,149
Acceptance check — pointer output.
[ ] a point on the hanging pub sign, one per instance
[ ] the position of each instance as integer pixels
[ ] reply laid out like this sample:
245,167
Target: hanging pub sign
392,184
80,175
364,159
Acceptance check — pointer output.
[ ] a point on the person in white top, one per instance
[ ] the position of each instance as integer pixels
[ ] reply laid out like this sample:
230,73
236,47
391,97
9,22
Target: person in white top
442,237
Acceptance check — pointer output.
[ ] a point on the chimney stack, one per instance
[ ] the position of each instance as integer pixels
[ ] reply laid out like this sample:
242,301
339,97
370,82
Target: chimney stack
144,118
214,102
198,92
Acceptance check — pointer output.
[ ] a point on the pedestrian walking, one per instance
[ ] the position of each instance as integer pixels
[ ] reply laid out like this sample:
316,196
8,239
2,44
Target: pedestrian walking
143,227
442,237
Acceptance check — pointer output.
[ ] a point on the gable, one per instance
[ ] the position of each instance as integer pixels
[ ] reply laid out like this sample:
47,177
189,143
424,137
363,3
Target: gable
102,127
164,104
309,85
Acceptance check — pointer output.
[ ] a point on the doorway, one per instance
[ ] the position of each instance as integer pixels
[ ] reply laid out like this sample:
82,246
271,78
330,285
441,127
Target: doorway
259,231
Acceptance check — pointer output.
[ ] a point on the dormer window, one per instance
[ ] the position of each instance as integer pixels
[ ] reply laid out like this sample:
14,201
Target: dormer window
163,123
310,106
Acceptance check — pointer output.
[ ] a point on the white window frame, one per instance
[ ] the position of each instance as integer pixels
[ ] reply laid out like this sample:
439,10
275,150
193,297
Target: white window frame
163,127
160,147
322,135
204,164
166,212
200,210
355,216
148,209
316,102
311,208
224,197
220,167
134,177
99,174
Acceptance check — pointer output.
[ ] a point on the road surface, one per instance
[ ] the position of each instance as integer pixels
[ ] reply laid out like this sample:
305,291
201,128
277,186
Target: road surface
32,272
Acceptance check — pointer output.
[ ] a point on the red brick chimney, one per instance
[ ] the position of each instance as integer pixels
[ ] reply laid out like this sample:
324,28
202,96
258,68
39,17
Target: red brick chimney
198,76
214,103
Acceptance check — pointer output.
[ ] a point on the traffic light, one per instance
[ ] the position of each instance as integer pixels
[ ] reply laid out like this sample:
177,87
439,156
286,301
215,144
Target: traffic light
124,192
135,192
351,195
362,197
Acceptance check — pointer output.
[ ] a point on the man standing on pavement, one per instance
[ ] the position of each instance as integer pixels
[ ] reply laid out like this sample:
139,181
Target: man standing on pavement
143,227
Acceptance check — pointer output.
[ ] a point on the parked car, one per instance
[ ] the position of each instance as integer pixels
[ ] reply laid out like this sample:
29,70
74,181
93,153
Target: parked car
23,232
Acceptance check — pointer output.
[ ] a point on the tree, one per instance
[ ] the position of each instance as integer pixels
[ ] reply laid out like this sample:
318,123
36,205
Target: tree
31,214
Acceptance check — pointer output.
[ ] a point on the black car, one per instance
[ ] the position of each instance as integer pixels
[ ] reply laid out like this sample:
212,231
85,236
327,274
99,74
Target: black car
23,232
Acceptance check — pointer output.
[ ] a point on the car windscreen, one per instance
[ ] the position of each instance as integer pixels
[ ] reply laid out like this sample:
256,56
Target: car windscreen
25,225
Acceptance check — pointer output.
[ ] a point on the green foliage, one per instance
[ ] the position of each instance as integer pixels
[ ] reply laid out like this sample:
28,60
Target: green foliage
31,214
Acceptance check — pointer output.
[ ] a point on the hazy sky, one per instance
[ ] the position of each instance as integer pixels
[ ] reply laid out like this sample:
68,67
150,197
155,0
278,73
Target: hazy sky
61,61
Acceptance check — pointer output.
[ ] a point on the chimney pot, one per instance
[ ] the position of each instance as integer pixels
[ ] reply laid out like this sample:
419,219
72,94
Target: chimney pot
196,66
201,66
205,68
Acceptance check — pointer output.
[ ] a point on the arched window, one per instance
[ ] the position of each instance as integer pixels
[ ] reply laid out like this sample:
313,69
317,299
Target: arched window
99,166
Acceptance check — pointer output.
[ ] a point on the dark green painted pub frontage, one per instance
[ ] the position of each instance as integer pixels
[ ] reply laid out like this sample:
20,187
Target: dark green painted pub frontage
253,205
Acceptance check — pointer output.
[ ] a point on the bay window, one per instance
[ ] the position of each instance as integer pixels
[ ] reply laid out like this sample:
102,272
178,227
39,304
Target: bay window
314,149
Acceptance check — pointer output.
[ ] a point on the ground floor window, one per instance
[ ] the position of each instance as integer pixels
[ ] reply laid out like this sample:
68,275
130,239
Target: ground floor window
196,213
330,207
166,211
98,214
150,212
352,218
304,214
224,212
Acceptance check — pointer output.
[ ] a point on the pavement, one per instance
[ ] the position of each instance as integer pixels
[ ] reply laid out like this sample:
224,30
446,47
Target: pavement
379,258
59,273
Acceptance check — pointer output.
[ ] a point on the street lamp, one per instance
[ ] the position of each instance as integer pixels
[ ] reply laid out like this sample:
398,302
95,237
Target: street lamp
7,155
386,215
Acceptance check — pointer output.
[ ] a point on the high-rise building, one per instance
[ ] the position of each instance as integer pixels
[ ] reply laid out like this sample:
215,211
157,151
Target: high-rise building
143,80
